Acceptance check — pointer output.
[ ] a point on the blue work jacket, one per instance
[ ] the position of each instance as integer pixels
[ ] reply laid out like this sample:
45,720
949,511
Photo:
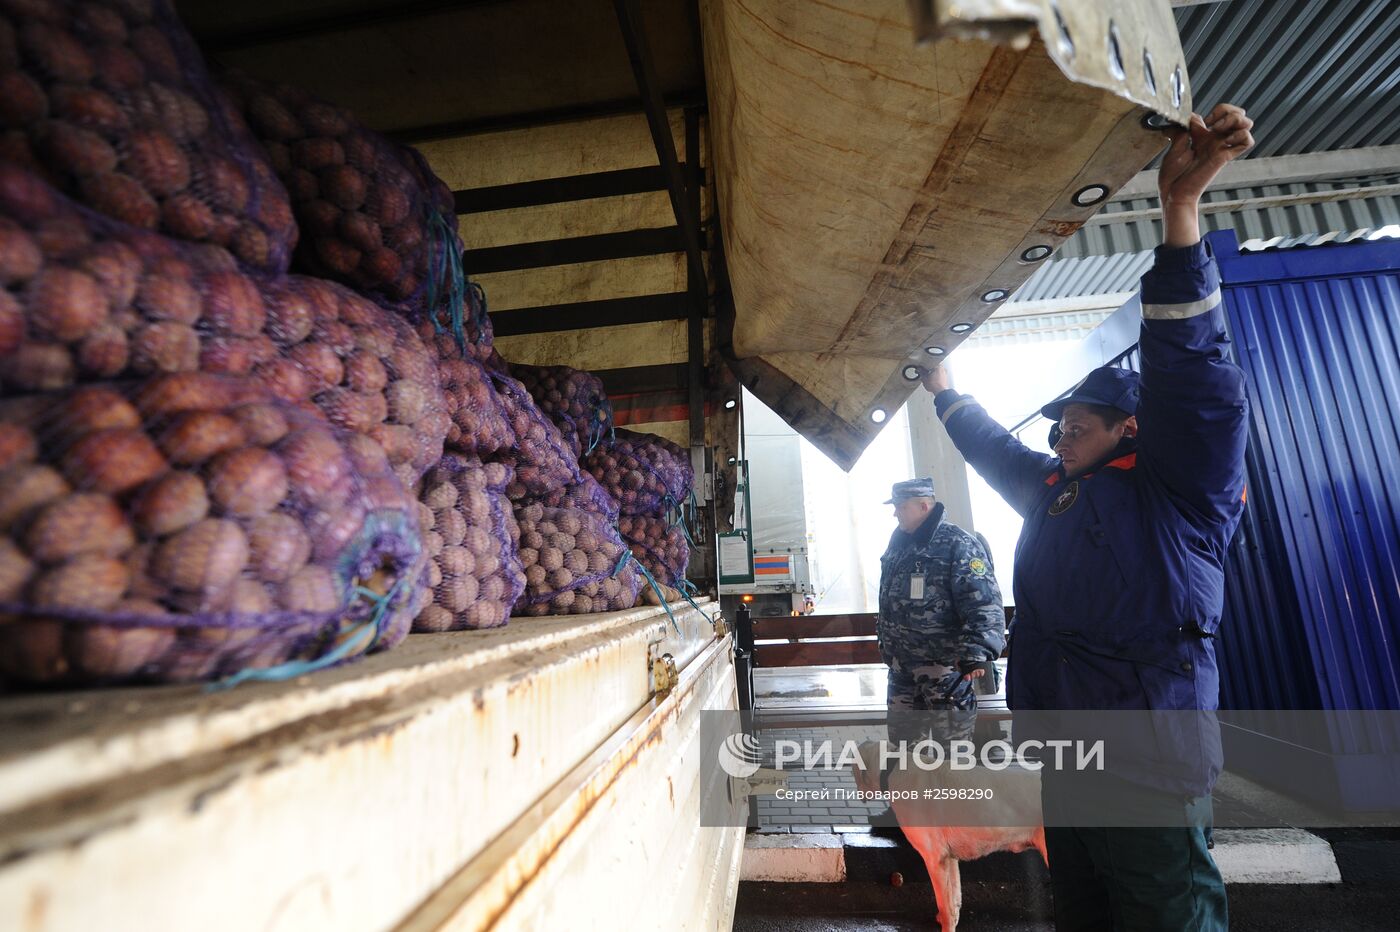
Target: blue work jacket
1120,573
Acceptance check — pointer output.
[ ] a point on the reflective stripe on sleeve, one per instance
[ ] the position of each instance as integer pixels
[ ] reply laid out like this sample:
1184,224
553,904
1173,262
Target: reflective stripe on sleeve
1181,311
953,407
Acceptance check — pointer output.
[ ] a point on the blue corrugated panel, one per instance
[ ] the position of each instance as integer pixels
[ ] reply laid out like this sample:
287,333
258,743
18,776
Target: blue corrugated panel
1261,648
1317,331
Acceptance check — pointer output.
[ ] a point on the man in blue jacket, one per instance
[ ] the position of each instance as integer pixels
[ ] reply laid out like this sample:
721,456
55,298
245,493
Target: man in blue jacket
1119,576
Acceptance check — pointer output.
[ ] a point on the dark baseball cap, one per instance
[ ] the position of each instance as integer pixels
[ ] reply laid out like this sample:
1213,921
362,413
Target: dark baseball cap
1106,385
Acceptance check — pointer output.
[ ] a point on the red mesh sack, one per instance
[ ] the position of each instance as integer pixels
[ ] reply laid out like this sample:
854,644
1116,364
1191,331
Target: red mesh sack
659,545
111,100
473,545
372,214
573,399
575,563
190,527
645,473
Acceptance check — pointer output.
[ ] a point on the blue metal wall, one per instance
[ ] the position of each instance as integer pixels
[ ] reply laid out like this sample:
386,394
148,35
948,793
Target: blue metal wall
1314,606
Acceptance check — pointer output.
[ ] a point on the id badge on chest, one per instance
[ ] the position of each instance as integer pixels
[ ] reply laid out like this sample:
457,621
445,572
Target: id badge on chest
916,584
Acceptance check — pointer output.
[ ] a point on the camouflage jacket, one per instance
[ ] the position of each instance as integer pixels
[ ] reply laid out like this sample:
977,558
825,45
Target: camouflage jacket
960,616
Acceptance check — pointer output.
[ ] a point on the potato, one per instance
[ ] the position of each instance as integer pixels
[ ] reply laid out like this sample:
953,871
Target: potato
18,447
310,589
168,297
433,619
91,582
113,461
165,346
315,463
279,547
118,651
208,555
456,594
22,101
78,524
232,304
65,304
248,482
286,379
20,258
186,391
73,150
157,161
93,408
169,504
262,424
104,353
16,570
188,217
193,437
320,363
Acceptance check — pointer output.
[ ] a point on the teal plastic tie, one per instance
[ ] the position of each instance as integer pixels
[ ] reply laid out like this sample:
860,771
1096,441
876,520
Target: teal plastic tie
627,555
350,646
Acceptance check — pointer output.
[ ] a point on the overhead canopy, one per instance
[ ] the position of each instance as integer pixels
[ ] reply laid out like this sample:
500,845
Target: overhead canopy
878,198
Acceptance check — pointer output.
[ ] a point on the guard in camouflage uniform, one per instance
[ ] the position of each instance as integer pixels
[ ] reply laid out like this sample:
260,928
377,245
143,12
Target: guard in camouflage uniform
941,620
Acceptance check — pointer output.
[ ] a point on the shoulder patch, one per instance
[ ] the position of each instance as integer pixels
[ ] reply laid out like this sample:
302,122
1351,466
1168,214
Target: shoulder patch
1065,499
978,566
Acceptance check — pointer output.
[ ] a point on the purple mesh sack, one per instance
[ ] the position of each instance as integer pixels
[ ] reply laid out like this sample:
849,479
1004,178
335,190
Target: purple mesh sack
372,214
363,366
575,563
190,527
86,298
111,101
646,474
473,546
479,425
573,399
542,459
584,495
658,545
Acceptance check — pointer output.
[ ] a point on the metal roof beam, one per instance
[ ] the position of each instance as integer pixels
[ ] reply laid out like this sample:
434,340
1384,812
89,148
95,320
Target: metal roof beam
353,16
1284,169
629,18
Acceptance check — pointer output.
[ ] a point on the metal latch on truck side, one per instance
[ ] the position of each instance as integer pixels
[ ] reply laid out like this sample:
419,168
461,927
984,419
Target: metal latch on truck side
664,675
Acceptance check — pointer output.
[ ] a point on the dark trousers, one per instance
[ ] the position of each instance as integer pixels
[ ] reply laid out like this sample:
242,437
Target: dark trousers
1128,879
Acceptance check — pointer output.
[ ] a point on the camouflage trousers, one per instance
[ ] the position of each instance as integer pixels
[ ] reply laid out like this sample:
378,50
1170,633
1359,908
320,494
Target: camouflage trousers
929,702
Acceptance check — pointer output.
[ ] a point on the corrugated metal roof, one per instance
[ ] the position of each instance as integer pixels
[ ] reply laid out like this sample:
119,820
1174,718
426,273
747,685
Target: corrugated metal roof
1084,275
1038,328
1314,74
1078,276
1293,220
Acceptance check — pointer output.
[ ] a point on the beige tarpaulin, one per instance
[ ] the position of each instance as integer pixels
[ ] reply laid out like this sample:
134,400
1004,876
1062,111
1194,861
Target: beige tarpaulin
879,197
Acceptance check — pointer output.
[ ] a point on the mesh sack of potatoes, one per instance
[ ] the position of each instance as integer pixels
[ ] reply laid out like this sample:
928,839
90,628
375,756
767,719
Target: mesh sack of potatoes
573,399
85,299
110,100
372,215
645,473
658,544
584,495
189,527
575,563
479,425
473,546
361,365
542,459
